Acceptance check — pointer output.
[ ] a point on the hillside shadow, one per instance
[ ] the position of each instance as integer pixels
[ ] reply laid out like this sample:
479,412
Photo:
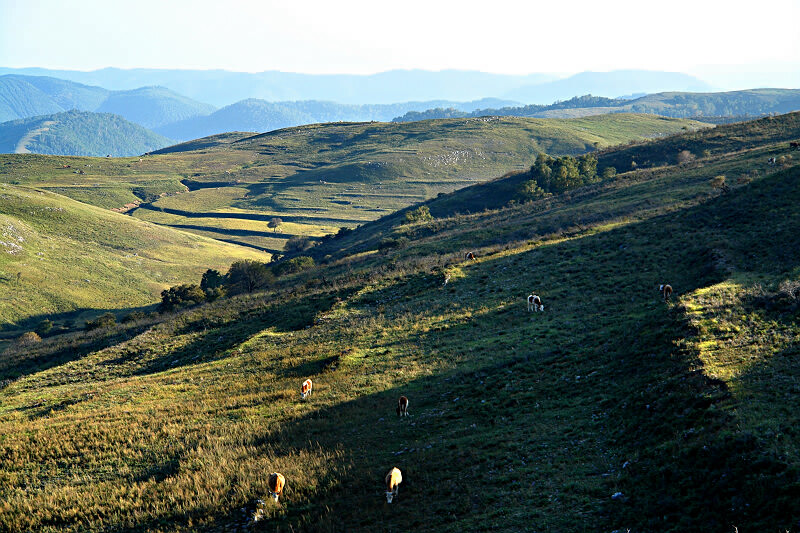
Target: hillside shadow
214,342
242,216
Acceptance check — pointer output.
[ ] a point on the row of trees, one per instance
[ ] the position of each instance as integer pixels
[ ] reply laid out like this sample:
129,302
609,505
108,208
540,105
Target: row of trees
242,277
550,175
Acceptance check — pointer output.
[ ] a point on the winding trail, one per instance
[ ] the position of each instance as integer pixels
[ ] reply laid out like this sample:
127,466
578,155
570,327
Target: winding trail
22,145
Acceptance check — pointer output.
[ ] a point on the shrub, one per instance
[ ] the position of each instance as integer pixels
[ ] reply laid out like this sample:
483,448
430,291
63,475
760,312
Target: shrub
420,214
107,320
685,156
297,244
389,244
28,339
293,265
181,296
133,316
530,190
44,327
609,173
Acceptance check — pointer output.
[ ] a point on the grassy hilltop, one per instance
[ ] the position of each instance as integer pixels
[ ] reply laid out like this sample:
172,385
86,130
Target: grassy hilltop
612,410
321,177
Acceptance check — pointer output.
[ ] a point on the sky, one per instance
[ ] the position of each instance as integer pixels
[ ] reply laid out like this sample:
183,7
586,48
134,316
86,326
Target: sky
699,37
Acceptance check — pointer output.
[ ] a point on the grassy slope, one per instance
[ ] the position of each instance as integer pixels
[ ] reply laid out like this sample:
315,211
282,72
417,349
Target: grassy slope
518,421
321,175
73,256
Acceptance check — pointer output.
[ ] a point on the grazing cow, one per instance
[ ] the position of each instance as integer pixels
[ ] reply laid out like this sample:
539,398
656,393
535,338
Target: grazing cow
393,480
275,483
794,144
469,255
305,389
535,303
666,291
771,161
402,406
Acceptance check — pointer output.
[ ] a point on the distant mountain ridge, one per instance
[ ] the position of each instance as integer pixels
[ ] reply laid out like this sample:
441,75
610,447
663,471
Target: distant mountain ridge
78,133
750,103
221,88
27,96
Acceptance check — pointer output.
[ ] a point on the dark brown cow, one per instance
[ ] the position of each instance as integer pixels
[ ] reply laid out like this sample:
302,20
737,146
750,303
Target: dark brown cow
666,291
402,406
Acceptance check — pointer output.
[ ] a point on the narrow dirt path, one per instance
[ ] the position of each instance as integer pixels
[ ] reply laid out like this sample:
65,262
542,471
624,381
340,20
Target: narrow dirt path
22,145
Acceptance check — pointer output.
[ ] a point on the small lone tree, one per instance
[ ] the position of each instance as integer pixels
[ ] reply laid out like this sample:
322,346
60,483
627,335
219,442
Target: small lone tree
274,223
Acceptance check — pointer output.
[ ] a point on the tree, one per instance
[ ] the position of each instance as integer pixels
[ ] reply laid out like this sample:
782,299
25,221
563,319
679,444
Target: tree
181,296
211,279
248,276
274,223
609,172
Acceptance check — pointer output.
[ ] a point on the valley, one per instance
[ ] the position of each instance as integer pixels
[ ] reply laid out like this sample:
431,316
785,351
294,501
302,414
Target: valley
610,410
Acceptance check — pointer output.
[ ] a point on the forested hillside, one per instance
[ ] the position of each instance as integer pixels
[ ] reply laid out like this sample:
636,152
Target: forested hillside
78,133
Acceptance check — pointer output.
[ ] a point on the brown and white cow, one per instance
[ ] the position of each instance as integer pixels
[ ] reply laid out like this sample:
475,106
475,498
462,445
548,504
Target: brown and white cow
470,255
402,406
393,480
305,389
535,303
666,291
275,483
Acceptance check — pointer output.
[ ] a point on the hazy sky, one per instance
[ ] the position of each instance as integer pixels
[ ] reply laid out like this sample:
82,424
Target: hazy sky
345,36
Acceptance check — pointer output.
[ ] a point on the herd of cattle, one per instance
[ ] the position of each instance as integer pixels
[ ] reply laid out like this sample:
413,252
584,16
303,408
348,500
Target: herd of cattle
276,481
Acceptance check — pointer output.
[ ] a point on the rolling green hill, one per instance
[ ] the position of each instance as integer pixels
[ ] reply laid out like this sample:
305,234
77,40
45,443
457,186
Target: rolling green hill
610,411
259,115
742,104
321,177
78,133
60,256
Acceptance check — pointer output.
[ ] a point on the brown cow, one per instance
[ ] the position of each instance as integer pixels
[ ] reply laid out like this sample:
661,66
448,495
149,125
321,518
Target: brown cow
393,480
402,406
535,303
470,255
305,389
275,483
666,291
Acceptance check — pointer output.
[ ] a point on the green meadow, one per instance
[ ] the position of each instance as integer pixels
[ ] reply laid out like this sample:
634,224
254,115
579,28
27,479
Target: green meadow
612,410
